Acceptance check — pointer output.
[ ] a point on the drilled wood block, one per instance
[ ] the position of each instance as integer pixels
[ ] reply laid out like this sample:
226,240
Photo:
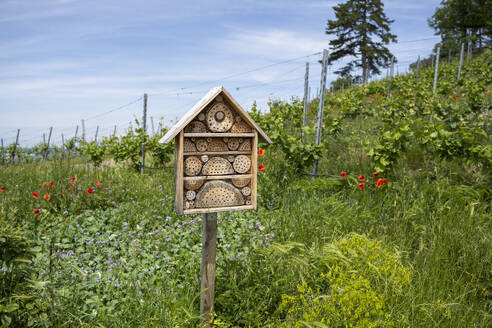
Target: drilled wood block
201,117
220,118
191,194
189,204
196,127
217,166
188,146
233,143
204,158
194,184
217,145
242,164
192,165
240,127
218,194
201,144
241,182
245,146
246,191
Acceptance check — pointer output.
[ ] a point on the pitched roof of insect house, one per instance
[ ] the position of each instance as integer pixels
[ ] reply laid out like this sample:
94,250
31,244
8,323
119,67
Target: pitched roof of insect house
206,100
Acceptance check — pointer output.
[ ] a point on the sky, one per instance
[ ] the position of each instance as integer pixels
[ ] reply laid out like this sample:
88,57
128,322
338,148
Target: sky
62,61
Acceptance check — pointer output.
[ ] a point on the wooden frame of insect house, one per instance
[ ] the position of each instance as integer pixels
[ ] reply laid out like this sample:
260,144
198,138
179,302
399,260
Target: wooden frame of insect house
216,144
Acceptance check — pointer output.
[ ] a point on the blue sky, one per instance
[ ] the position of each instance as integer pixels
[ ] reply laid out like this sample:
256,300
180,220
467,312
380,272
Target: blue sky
66,60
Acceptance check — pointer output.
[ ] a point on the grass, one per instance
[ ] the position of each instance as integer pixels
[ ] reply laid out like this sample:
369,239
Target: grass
122,257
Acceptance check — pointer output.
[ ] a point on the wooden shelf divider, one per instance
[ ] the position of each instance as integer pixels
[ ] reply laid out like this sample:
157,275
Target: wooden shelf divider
220,135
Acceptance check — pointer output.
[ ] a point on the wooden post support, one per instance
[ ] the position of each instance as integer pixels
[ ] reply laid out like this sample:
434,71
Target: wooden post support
209,241
319,123
436,72
44,138
15,147
97,132
76,132
114,131
144,120
3,160
418,69
391,75
45,156
152,122
83,131
306,90
63,145
468,52
461,60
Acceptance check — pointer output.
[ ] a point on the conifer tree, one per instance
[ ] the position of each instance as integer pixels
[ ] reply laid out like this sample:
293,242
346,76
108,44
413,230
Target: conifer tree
362,31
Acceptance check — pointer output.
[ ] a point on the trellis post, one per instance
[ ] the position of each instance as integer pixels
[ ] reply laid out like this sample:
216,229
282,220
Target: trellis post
306,91
319,123
15,147
461,60
47,145
436,72
144,132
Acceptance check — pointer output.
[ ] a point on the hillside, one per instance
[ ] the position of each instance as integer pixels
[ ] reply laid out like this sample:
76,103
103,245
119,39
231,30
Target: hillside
396,232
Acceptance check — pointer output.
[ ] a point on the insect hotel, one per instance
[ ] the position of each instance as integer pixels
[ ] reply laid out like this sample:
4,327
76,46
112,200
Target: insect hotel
215,156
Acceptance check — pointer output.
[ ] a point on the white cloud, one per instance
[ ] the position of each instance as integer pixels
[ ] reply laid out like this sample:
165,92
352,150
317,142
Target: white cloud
272,43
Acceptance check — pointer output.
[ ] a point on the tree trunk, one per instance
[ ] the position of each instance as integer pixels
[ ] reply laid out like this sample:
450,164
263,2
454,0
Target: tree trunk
363,50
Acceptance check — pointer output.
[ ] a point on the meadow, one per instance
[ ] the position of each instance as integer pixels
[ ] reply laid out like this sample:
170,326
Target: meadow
106,248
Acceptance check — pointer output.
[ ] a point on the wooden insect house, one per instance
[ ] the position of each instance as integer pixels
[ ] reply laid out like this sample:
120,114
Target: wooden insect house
216,146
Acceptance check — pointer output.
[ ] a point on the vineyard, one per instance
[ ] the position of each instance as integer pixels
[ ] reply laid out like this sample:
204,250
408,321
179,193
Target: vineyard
394,231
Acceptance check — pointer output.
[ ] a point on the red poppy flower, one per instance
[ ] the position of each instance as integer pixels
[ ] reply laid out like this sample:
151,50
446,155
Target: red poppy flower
455,98
361,185
52,184
35,195
36,211
47,197
261,152
71,185
2,189
376,174
45,184
384,181
261,167
379,183
343,174
97,183
90,191
361,177
42,230
74,178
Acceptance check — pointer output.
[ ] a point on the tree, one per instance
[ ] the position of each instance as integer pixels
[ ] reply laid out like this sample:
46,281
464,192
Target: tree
458,21
362,30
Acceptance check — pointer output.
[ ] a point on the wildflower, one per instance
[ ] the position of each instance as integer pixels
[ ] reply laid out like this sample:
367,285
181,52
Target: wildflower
36,211
361,185
97,183
376,174
71,185
74,178
2,189
34,195
90,191
42,230
261,167
361,177
455,98
45,184
261,152
47,197
378,183
52,184
343,174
